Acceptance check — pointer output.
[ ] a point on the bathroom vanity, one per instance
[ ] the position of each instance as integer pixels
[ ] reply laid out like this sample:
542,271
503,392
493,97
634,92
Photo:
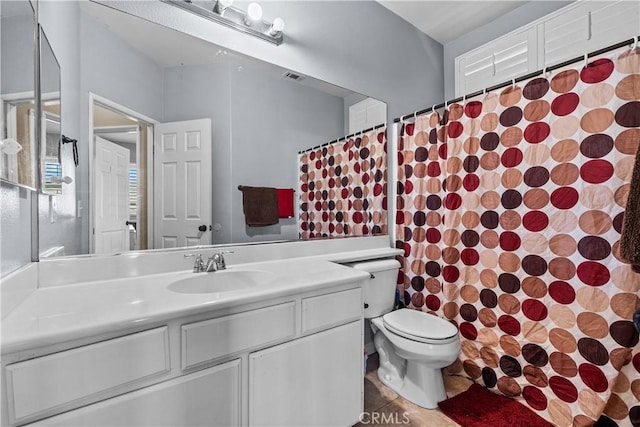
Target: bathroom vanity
282,348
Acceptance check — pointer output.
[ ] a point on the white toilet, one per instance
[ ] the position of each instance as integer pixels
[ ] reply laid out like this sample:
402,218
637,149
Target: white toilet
413,346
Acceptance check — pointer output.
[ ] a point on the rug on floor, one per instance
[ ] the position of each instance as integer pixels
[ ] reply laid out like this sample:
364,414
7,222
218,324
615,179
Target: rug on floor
479,407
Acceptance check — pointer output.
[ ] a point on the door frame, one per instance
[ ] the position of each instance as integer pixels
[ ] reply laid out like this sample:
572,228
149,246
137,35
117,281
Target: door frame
93,98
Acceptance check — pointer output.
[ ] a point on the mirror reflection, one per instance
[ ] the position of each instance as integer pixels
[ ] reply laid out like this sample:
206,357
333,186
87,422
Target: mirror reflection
50,159
17,130
153,90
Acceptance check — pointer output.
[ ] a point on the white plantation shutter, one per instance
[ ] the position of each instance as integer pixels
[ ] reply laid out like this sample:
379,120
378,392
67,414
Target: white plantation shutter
133,192
588,27
496,62
581,27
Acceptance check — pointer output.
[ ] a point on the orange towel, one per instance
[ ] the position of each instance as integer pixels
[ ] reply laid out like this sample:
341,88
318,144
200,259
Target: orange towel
260,206
285,202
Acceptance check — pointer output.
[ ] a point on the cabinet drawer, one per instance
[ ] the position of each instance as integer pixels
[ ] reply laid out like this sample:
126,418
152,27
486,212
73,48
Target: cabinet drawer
66,380
326,311
210,397
211,339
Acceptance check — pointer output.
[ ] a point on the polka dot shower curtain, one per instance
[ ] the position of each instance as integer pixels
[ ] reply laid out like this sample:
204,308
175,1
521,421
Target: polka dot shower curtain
510,213
343,187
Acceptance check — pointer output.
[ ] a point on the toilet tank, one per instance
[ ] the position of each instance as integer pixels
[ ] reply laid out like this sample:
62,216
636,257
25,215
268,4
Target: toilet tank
379,291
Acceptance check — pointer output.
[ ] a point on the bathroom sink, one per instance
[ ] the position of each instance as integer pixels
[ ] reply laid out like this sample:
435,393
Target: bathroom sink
220,281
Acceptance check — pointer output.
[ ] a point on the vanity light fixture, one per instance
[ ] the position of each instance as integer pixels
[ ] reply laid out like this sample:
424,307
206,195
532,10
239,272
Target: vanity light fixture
249,22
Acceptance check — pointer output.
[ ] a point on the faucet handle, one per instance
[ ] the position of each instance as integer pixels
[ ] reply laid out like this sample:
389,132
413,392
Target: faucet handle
219,259
198,264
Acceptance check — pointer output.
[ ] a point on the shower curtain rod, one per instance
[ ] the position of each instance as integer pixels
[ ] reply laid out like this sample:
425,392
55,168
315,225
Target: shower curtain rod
633,41
344,137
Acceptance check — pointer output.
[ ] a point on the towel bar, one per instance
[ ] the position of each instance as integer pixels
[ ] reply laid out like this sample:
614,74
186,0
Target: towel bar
240,187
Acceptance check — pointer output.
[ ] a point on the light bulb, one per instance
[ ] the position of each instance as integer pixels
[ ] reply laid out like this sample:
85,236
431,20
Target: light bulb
276,27
254,13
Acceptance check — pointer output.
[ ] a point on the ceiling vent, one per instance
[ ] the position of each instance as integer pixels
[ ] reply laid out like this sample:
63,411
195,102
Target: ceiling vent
293,76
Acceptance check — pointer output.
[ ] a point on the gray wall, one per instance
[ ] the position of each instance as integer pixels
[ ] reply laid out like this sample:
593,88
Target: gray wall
259,123
528,12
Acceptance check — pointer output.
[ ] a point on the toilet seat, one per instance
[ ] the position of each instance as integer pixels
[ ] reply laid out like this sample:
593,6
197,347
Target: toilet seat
418,326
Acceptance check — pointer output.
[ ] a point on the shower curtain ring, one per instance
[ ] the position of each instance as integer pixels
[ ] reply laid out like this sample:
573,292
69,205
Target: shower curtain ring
433,109
513,83
586,59
635,42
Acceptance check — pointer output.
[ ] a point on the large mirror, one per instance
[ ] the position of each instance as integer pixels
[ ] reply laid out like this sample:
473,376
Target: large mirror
152,90
17,91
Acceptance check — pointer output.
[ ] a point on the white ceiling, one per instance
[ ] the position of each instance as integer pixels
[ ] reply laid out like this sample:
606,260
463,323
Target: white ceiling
446,20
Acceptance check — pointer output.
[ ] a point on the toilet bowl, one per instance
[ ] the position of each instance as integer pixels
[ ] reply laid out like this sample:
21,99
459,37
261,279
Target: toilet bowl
411,358
413,346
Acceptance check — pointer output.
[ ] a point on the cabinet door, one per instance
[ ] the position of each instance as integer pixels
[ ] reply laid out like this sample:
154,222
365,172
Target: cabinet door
315,380
210,397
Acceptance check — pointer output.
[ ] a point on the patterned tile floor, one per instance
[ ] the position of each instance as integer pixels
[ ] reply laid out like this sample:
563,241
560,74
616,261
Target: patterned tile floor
383,407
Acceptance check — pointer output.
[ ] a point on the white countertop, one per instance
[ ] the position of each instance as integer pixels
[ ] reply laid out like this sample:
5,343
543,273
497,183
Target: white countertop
56,314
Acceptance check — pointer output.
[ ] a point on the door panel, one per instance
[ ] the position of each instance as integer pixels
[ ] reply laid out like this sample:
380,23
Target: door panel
112,197
182,184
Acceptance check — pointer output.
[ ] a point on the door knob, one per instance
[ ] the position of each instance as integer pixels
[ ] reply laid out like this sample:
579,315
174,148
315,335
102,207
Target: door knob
202,228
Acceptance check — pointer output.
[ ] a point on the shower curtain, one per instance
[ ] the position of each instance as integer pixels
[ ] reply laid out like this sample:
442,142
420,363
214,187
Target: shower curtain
510,209
343,190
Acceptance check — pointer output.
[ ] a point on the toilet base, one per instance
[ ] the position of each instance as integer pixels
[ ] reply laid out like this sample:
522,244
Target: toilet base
420,385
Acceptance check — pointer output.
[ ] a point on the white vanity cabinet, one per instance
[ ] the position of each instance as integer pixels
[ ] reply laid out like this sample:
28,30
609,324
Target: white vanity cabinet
293,360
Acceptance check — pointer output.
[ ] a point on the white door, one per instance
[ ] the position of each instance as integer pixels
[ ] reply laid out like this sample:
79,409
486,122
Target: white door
182,184
112,197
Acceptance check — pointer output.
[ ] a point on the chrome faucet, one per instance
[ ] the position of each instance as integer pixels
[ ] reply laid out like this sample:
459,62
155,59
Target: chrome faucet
214,263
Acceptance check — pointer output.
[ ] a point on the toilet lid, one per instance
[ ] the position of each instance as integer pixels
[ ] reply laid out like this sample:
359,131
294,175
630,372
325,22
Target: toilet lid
413,323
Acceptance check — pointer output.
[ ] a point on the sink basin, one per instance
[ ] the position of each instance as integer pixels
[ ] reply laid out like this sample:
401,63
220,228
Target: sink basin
220,281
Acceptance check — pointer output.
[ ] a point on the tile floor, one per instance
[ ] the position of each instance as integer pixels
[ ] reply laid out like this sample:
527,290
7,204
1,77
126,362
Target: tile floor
383,407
